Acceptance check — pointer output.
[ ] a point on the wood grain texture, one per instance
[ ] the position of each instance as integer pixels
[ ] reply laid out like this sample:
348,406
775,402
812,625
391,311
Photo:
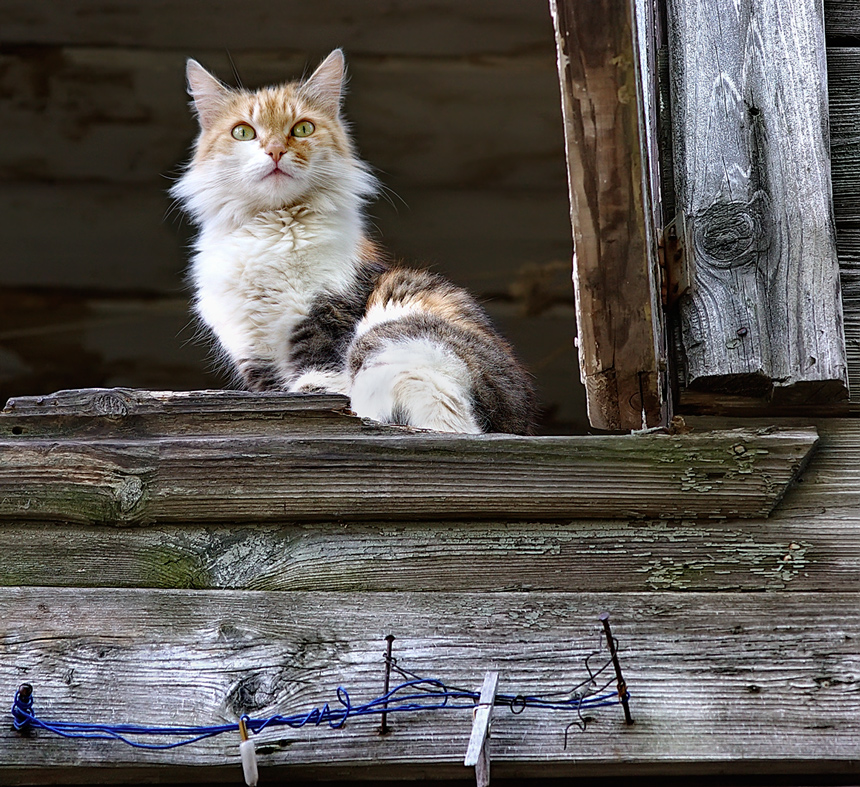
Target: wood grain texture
392,476
616,294
843,81
842,19
90,413
752,179
120,115
811,542
728,682
402,27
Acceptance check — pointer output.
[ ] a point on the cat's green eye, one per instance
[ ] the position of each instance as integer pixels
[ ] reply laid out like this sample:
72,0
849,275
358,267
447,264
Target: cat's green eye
243,132
304,128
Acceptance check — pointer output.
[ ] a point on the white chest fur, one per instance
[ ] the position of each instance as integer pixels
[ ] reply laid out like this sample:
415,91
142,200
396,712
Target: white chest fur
256,282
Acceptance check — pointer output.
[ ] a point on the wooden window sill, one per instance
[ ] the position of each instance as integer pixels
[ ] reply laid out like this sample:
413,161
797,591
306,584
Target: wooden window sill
122,456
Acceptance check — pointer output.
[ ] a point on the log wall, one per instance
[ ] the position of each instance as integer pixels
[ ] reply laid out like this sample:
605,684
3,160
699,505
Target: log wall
738,632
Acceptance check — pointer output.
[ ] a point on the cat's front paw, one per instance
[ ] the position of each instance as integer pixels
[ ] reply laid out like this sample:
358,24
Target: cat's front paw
320,381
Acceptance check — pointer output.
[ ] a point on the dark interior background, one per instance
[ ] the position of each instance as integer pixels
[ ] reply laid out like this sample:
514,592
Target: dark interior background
455,104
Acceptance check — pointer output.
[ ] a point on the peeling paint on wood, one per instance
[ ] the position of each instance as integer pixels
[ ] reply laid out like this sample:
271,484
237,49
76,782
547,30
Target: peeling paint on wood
107,476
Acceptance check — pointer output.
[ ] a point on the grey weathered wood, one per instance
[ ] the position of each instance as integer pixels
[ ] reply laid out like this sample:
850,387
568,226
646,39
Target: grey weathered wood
90,413
811,542
417,476
616,289
415,28
842,19
752,177
120,115
718,682
798,548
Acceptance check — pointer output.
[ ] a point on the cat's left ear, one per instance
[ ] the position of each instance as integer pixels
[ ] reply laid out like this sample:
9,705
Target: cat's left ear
326,83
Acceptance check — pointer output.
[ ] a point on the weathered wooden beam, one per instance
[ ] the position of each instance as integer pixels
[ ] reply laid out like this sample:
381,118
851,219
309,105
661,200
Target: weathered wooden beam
811,542
842,19
609,153
418,29
718,682
752,179
395,476
89,413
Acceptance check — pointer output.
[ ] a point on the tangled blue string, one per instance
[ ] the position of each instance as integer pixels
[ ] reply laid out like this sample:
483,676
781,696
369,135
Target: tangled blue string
419,694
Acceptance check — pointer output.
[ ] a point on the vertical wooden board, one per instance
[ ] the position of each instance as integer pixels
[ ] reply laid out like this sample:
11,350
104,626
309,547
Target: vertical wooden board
752,172
618,308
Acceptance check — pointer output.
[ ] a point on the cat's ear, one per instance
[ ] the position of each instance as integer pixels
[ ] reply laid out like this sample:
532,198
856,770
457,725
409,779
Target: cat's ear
326,83
209,94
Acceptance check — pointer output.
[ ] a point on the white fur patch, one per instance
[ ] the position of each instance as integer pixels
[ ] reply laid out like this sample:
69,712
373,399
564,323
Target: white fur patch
420,378
254,284
386,312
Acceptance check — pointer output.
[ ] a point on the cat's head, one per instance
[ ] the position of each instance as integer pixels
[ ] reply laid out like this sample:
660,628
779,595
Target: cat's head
270,149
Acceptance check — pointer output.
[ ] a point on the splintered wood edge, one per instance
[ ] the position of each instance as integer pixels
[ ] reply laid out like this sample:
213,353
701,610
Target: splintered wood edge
737,473
119,402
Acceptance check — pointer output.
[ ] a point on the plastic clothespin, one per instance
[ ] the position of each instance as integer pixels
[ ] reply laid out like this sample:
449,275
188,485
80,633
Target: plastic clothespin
249,755
478,753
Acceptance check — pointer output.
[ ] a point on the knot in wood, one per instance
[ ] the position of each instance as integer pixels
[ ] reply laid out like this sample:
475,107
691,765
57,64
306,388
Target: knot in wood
728,234
109,404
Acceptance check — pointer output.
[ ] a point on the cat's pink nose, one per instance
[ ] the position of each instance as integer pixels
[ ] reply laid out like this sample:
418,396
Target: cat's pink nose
276,150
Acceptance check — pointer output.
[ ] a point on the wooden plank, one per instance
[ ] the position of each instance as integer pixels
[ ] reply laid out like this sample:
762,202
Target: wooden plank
700,666
797,549
129,413
414,28
458,233
843,75
842,18
811,542
618,312
752,179
418,476
118,115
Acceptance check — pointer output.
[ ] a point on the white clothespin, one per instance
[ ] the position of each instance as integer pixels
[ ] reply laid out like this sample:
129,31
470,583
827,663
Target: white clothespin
248,755
478,753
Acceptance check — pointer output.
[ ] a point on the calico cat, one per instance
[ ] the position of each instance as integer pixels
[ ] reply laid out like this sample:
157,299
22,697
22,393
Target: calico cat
297,294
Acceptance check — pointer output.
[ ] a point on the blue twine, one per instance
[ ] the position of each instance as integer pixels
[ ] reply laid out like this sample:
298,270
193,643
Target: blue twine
22,708
420,694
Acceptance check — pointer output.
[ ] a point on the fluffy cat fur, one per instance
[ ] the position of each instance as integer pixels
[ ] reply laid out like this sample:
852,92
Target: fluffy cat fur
297,295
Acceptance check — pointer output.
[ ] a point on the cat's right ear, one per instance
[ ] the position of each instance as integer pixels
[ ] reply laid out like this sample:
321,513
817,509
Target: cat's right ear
209,94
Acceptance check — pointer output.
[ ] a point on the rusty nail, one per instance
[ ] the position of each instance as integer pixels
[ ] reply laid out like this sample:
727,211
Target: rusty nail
622,686
383,727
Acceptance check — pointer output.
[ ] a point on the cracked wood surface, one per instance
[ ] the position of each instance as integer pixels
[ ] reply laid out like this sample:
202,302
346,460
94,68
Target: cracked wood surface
107,468
719,682
810,542
609,140
752,178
